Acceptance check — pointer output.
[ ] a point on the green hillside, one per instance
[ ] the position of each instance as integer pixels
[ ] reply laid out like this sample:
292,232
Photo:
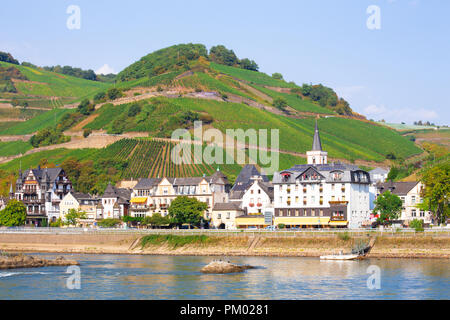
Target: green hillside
40,82
343,138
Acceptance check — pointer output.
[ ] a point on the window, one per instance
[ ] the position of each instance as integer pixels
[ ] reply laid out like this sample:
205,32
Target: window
296,212
413,213
313,213
321,212
228,215
413,199
219,216
422,214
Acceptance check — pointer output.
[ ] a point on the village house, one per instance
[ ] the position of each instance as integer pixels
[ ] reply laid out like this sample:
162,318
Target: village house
154,195
321,195
410,194
79,201
254,193
114,203
41,191
223,215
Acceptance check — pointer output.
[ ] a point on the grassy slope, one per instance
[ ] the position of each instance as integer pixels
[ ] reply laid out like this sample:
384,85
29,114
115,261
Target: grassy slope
252,76
56,156
11,148
295,102
53,84
43,120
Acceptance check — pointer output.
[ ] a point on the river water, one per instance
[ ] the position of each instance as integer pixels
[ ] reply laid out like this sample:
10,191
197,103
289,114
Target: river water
178,277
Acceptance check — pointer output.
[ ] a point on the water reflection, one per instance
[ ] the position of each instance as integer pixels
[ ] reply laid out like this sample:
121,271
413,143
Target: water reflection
175,277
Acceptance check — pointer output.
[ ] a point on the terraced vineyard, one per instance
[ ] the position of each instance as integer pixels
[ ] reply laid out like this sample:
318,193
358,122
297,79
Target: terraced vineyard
152,159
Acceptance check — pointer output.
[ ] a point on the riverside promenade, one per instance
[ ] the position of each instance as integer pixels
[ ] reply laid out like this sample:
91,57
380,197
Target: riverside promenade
390,243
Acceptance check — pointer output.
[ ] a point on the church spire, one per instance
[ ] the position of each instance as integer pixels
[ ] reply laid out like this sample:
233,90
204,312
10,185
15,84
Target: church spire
317,145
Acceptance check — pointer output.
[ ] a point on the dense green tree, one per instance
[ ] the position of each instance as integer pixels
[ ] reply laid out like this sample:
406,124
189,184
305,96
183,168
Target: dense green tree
73,216
7,57
14,214
74,72
220,54
187,210
436,193
248,64
388,206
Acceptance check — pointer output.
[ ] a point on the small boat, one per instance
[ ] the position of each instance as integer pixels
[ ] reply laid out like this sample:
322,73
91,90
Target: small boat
340,257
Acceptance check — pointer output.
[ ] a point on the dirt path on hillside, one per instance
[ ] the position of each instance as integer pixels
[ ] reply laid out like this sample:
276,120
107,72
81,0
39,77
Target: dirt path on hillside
79,126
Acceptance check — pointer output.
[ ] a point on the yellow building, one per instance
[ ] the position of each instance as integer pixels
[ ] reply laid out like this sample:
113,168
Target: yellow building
78,201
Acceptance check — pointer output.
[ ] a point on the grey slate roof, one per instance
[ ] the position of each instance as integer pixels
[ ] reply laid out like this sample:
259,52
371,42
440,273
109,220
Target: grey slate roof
244,181
50,174
317,145
227,206
267,187
148,183
398,188
124,195
350,173
82,196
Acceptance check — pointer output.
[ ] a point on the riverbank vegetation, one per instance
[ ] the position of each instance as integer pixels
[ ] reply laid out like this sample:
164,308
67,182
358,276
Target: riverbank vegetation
175,241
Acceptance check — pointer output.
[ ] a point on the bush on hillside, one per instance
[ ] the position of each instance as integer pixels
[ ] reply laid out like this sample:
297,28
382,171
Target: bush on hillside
113,94
48,136
87,132
280,103
86,107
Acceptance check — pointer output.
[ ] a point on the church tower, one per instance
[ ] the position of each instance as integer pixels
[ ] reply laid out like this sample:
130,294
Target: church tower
317,155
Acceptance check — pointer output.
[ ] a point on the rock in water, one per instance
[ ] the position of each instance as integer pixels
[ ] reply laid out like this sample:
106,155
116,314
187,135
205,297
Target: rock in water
12,261
219,266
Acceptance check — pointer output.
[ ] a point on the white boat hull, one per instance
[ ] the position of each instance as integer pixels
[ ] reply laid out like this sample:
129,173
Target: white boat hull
339,257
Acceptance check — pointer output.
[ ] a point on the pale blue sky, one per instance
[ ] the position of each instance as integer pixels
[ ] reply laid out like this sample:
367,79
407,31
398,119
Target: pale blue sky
400,72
